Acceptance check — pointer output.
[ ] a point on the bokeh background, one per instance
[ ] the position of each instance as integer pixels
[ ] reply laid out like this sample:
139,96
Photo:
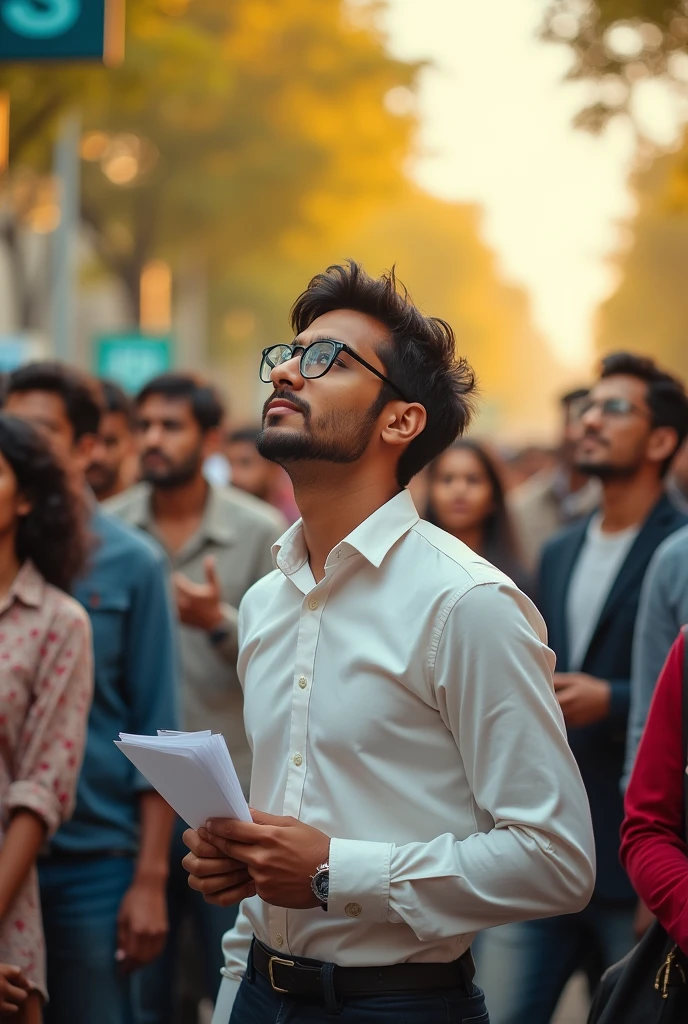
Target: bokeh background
524,164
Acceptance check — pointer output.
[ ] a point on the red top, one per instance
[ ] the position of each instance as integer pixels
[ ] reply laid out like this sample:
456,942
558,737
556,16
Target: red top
652,850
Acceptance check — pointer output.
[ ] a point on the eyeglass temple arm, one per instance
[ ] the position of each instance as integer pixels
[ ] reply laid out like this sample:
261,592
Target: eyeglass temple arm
377,373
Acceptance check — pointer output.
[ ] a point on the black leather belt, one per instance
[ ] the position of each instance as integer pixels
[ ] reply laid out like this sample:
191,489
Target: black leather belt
299,976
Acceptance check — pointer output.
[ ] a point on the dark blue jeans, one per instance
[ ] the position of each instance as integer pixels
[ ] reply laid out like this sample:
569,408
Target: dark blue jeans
257,1003
80,901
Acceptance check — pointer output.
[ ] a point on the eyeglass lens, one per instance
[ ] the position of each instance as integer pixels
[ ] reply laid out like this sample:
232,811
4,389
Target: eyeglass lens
315,360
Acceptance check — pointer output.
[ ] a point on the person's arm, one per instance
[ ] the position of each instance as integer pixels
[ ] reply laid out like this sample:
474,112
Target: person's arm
49,750
653,851
658,622
152,681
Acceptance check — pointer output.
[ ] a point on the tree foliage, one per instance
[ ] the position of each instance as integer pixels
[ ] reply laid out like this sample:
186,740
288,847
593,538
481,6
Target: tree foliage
648,311
616,45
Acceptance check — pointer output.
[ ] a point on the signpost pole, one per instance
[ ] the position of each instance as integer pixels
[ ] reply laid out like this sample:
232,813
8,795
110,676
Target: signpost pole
66,166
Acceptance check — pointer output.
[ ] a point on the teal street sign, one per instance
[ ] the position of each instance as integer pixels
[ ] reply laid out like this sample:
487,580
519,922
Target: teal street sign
132,359
58,29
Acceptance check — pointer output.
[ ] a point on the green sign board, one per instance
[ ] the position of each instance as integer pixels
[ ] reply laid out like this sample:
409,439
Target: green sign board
58,29
132,359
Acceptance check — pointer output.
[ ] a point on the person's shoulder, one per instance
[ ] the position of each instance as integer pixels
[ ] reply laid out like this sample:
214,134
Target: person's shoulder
120,539
453,560
129,504
565,537
246,509
260,593
533,491
672,553
64,610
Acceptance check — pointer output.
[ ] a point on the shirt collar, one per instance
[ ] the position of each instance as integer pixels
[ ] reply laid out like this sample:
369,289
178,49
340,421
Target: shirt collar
372,538
28,586
215,524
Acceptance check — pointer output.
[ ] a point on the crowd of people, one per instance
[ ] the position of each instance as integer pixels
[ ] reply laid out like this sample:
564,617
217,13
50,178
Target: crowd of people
132,529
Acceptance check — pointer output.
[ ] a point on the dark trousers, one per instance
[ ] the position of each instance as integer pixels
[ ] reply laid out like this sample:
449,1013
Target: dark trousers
257,1003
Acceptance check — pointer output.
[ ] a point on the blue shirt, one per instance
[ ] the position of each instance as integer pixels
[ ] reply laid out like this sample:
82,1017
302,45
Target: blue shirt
126,595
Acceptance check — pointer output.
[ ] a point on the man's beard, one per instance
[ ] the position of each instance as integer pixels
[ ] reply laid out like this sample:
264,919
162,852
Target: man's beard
101,479
605,471
176,475
337,437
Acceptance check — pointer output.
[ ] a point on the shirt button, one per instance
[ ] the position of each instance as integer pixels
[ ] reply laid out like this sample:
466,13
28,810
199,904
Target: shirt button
279,940
303,682
353,909
298,760
313,604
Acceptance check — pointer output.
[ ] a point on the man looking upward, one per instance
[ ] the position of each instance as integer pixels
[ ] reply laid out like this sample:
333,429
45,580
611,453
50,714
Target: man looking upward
410,768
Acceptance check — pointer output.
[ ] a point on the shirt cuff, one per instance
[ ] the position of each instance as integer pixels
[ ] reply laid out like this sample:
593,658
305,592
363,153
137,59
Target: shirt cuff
225,1000
359,879
50,808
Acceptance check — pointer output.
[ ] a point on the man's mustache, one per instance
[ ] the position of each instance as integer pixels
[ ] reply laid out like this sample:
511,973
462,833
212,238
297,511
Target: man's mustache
299,403
154,452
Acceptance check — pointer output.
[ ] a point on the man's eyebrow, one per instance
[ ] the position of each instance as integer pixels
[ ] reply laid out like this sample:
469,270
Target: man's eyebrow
319,336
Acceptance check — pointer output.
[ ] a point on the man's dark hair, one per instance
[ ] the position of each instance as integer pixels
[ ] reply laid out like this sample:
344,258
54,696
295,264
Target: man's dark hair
577,395
115,399
79,392
665,396
419,354
206,404
243,435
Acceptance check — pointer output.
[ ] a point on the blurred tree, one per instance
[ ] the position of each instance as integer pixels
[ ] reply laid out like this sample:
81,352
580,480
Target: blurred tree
617,44
227,126
648,311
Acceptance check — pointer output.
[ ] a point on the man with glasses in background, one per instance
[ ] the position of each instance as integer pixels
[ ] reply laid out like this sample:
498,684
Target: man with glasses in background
633,422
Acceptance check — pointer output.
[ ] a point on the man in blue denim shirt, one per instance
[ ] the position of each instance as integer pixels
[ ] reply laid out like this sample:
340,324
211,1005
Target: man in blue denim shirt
103,880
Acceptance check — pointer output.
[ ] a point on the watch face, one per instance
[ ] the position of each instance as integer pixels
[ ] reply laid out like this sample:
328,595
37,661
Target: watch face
321,885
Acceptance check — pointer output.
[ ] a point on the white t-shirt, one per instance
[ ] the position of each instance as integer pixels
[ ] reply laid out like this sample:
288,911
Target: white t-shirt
598,565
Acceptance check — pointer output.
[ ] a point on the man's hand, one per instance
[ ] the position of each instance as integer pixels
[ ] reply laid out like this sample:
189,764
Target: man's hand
223,880
582,698
14,988
199,604
142,924
281,855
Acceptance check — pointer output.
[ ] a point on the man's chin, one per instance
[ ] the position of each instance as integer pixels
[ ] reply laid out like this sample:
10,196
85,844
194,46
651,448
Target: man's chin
604,470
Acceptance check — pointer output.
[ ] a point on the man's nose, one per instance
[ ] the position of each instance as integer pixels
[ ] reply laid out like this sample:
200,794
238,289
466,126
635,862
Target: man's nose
288,374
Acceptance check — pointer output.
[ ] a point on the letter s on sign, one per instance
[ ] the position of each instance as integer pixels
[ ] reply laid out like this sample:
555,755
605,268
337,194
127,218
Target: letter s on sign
40,19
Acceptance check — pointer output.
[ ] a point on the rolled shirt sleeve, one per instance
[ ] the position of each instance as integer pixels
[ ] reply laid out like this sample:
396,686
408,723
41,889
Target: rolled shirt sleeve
492,678
51,744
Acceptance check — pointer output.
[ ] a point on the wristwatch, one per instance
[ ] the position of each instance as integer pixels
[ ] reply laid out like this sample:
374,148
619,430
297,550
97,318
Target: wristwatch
320,884
219,634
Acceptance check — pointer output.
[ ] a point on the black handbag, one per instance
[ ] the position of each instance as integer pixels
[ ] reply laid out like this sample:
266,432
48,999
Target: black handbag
650,984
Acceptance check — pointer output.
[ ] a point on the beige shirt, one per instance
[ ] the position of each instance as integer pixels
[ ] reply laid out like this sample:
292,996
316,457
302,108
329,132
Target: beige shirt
404,705
539,510
239,531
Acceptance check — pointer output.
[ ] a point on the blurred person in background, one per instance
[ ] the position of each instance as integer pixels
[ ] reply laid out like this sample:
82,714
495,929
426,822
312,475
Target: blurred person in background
219,542
653,847
45,692
252,473
556,495
466,498
677,486
113,465
633,422
395,683
104,874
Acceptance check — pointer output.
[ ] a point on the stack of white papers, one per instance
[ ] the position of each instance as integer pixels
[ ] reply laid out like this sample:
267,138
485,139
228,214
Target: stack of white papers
192,771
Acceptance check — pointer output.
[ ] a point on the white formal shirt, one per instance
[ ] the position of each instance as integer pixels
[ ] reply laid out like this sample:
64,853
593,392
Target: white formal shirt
404,706
596,569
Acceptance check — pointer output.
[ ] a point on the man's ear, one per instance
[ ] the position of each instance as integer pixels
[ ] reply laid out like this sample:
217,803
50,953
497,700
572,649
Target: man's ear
403,422
662,444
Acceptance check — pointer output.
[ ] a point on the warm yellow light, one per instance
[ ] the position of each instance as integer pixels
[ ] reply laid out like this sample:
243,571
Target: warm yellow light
156,296
121,169
94,145
4,130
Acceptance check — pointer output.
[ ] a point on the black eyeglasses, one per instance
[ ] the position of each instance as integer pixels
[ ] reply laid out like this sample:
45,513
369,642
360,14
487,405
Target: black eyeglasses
316,360
612,408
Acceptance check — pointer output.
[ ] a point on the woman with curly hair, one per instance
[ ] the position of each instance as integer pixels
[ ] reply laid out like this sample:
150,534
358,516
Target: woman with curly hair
46,681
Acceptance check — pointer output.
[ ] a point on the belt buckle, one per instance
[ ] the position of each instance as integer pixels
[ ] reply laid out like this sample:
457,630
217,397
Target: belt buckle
285,963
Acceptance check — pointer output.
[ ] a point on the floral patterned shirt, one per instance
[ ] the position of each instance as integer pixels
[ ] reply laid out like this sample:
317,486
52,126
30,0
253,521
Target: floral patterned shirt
46,684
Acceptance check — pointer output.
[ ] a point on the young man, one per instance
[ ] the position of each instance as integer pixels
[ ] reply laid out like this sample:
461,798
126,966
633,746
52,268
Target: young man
411,772
256,475
589,587
103,878
218,541
112,467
